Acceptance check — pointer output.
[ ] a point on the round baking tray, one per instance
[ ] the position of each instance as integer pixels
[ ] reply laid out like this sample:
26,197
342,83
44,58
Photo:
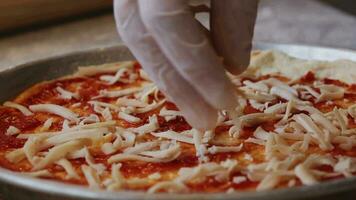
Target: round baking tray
17,186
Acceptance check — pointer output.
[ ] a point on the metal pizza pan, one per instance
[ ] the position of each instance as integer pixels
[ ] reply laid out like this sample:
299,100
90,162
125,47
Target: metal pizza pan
16,79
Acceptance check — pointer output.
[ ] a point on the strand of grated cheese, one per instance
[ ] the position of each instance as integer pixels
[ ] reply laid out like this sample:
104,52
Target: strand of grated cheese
104,109
324,122
12,130
258,96
91,134
169,114
261,134
92,118
351,110
68,167
65,94
340,119
104,105
277,83
147,128
65,125
270,181
80,153
32,146
98,167
251,120
198,174
200,148
173,150
47,125
70,130
144,75
155,176
118,180
255,141
105,124
110,80
91,176
312,128
150,107
44,173
259,86
283,93
25,111
172,135
129,138
146,91
254,119
124,101
58,152
169,186
239,179
305,175
127,157
128,109
345,165
138,182
224,149
207,136
55,109
330,92
308,89
128,117
76,105
345,142
306,141
140,147
118,93
222,117
15,156
102,69
106,113
276,108
258,106
288,112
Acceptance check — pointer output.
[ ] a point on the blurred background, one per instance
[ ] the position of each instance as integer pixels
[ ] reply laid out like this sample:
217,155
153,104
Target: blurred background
34,29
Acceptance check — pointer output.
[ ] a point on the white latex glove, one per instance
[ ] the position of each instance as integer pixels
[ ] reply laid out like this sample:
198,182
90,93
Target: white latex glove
173,49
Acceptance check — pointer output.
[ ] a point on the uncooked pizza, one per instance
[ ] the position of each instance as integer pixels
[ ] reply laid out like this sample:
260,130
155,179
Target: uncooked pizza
109,127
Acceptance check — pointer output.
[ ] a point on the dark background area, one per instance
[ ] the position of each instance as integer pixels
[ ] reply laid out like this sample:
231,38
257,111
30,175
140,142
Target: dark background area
33,29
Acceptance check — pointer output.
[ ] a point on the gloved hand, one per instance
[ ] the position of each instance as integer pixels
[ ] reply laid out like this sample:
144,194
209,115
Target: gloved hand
174,51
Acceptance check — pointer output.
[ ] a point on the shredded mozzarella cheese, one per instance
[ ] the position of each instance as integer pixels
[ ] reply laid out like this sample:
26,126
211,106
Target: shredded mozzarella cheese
147,128
47,125
105,68
224,149
12,130
65,94
55,109
25,111
91,176
128,117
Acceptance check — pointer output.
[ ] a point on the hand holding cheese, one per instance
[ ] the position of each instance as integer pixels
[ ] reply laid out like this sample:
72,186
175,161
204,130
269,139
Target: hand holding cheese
172,48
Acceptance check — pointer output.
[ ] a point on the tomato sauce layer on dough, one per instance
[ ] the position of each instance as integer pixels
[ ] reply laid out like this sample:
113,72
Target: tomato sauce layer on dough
113,129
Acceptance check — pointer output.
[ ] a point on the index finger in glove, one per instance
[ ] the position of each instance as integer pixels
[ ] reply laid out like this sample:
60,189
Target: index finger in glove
180,38
192,105
232,25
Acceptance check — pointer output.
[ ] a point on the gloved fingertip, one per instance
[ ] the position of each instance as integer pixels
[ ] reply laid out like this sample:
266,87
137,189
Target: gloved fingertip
224,98
238,62
202,122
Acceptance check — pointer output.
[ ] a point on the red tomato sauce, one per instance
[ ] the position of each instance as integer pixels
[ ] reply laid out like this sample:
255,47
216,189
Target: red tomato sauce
89,87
